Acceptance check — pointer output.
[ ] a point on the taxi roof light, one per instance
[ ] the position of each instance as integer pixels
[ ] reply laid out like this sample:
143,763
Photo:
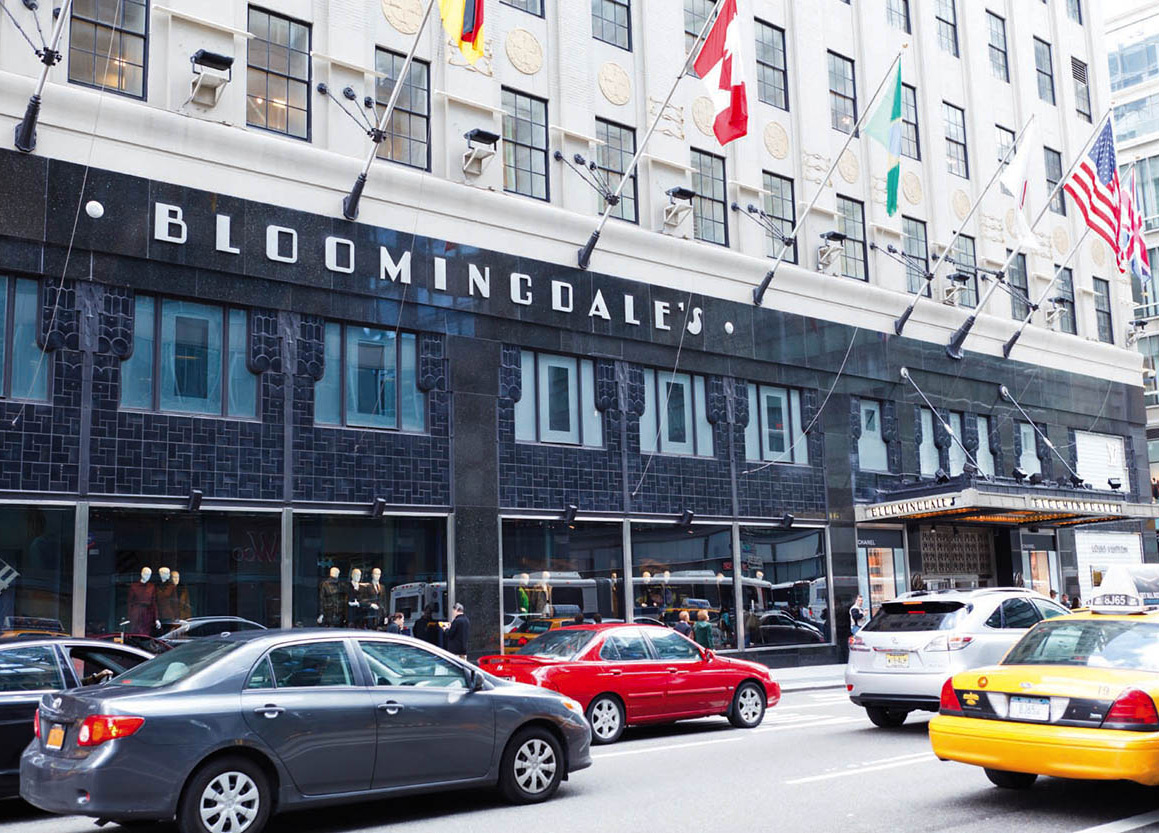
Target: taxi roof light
948,702
1132,710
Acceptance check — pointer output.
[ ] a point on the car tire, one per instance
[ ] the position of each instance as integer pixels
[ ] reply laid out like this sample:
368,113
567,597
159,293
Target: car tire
606,718
1011,780
532,766
748,706
883,717
214,782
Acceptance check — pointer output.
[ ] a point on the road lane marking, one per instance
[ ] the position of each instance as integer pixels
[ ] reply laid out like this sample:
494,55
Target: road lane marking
804,725
665,747
1125,824
885,764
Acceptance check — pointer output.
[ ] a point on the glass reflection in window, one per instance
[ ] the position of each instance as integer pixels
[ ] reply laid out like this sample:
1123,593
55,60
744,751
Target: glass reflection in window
784,587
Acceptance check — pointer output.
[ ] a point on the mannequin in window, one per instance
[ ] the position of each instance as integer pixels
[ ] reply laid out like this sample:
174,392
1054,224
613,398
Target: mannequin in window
142,605
184,609
373,601
166,597
350,596
329,603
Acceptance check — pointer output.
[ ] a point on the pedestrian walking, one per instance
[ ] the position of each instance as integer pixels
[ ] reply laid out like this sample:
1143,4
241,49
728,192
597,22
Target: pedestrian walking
1065,601
857,615
683,625
702,631
459,632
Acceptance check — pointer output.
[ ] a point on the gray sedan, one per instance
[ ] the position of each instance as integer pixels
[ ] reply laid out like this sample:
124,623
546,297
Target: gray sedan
221,732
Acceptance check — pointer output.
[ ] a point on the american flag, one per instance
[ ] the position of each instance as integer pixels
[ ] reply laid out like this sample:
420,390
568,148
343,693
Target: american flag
1094,186
1133,249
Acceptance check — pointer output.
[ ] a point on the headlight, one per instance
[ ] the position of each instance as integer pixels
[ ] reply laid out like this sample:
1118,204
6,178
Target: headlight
574,706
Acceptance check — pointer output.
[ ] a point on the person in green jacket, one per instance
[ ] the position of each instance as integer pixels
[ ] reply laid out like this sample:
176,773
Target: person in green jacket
702,631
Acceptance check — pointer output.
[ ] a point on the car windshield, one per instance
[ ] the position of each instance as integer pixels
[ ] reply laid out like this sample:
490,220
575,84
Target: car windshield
561,644
177,664
1107,644
916,615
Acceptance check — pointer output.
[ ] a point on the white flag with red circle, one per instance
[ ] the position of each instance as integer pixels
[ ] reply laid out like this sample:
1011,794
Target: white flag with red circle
720,66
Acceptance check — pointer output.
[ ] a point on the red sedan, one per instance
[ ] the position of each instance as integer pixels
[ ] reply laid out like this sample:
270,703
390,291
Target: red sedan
639,674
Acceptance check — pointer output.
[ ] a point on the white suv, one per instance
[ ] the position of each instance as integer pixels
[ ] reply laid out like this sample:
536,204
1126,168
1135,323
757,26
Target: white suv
900,659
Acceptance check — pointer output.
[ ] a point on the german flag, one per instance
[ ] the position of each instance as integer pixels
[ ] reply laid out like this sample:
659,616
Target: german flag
463,20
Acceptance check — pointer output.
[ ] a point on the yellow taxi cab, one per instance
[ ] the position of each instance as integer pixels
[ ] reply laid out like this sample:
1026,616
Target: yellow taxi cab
531,628
1075,697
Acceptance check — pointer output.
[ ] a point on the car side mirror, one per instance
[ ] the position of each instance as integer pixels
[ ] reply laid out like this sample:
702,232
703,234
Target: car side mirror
709,654
476,680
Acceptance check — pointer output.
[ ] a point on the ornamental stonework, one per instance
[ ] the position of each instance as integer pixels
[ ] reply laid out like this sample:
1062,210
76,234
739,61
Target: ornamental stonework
703,114
1060,239
1098,253
961,551
961,201
615,84
776,141
849,167
911,187
404,15
671,123
813,166
484,66
991,226
524,51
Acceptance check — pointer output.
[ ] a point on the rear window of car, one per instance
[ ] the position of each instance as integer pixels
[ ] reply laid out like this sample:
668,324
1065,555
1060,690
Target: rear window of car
1108,644
560,644
176,665
926,615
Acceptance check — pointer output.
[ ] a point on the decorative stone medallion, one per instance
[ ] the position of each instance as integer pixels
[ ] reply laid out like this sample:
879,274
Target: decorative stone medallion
1011,223
484,66
1060,239
911,187
524,51
849,167
961,202
1098,253
404,15
703,114
776,140
615,83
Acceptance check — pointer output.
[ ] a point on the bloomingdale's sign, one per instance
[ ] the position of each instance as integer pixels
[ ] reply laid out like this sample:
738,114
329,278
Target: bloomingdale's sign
462,276
917,505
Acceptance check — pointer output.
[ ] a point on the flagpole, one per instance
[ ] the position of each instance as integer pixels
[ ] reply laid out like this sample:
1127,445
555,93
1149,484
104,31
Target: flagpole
900,322
759,291
350,201
954,346
585,253
1009,346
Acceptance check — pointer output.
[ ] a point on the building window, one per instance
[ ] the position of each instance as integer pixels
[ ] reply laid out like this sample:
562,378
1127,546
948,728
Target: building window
984,455
897,13
999,64
957,158
708,206
775,431
782,210
524,144
1138,117
851,223
1074,10
370,378
1064,300
534,7
947,18
1082,89
612,22
966,263
1005,146
278,74
675,418
24,368
1053,174
107,45
914,245
408,134
558,401
1028,461
1103,311
197,351
910,139
612,158
956,453
871,450
928,457
772,67
696,12
1044,70
1016,275
842,93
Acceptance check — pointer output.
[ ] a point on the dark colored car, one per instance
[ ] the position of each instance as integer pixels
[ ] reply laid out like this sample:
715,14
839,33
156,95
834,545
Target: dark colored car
144,642
32,666
222,732
777,628
197,627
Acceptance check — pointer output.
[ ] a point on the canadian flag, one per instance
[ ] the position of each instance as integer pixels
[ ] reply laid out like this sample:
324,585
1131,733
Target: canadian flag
719,65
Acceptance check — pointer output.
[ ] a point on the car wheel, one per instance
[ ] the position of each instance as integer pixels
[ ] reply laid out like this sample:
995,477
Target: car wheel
748,706
1011,780
606,718
230,794
883,717
532,766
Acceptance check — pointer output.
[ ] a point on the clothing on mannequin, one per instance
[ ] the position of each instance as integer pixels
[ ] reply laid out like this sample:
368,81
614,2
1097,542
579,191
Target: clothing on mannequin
142,605
329,600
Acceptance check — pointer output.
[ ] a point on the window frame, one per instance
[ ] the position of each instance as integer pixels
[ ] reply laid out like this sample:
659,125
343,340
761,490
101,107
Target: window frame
697,24
880,433
521,5
770,207
967,247
1044,75
309,75
909,92
602,4
842,96
1019,309
771,68
117,30
617,211
895,15
953,146
697,409
996,50
1068,321
947,28
850,240
1052,162
984,455
1104,319
906,237
354,668
537,406
796,438
544,151
698,202
1074,10
8,341
1082,89
390,134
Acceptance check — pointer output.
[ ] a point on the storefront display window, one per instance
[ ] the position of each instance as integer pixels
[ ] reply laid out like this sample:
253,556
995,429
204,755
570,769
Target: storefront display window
352,571
784,586
149,570
881,565
676,568
36,567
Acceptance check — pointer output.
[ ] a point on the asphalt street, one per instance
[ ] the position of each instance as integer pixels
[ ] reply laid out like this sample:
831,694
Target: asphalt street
816,764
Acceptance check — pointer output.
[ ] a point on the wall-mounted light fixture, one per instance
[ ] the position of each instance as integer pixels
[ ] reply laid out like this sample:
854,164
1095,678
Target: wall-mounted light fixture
686,517
481,146
378,508
211,72
679,207
194,504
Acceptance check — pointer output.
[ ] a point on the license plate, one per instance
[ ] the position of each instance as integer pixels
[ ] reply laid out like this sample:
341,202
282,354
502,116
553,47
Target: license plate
895,660
1030,709
55,738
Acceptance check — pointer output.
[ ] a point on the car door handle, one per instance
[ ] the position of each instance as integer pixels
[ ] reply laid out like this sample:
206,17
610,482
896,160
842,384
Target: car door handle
390,707
615,671
270,710
672,669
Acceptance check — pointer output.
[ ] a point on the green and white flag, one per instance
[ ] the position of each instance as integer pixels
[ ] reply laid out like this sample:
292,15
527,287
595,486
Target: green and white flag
885,126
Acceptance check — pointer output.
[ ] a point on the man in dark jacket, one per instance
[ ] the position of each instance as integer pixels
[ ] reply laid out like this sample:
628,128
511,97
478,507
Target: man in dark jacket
459,632
427,628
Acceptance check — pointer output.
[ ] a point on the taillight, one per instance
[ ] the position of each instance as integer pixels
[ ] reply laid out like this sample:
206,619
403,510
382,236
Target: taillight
943,643
522,641
856,644
97,729
1132,710
948,702
36,722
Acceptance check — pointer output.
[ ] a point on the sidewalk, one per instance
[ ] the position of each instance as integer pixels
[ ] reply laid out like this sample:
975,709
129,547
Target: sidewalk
810,677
